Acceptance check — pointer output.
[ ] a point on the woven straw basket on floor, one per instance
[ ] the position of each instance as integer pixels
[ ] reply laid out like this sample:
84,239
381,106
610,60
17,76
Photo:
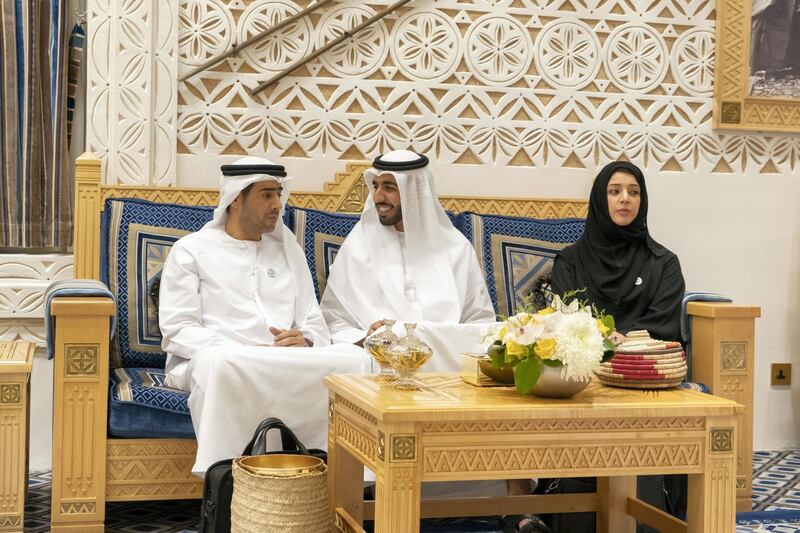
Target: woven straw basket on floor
279,500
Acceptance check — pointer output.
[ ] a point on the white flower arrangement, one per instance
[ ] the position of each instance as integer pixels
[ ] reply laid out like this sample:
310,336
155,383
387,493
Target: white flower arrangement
572,336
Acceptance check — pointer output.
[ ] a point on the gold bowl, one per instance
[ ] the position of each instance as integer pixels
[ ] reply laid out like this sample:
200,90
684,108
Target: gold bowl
281,465
501,375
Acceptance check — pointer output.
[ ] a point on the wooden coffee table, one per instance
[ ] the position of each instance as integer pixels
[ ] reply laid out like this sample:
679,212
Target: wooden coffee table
451,430
16,361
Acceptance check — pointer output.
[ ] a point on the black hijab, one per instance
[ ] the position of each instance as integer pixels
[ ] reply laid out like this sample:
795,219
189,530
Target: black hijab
608,258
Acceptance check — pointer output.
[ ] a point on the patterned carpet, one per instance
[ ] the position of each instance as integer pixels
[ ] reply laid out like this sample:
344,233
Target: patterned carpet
776,497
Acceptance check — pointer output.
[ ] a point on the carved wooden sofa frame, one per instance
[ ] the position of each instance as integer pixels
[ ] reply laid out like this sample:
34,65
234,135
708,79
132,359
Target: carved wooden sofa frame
90,468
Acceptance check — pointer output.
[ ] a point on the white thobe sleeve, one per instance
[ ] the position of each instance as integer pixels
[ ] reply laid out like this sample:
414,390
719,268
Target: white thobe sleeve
179,311
343,326
477,306
308,316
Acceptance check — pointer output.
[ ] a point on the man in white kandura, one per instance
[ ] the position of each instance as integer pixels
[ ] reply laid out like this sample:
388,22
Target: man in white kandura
240,322
405,260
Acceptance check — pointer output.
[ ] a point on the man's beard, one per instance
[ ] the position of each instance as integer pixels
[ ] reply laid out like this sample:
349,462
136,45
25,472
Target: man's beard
391,220
258,225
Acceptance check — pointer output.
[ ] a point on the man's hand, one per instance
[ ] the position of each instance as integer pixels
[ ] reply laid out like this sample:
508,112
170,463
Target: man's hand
372,329
288,337
618,338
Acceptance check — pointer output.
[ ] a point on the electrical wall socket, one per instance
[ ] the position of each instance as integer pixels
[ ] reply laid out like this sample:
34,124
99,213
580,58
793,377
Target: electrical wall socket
781,374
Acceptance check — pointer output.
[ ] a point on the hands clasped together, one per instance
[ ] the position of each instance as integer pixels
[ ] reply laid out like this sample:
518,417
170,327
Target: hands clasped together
289,337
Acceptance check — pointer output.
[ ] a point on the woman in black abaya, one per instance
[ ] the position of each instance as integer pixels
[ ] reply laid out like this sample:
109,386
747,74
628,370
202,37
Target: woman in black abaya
624,271
630,276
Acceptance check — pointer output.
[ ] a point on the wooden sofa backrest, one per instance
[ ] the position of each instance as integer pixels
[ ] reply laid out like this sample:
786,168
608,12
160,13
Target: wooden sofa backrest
345,194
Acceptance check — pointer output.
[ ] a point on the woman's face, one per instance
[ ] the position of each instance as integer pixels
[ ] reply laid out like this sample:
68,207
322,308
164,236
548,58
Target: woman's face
624,197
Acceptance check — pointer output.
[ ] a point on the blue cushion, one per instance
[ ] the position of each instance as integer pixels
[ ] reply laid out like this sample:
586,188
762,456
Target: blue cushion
321,234
515,252
699,387
136,236
141,405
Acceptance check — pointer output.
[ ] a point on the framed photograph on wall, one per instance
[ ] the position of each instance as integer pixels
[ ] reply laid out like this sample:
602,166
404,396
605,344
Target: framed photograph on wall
757,73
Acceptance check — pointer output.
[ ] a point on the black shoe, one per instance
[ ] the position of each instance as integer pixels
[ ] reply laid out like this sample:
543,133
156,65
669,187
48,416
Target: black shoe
523,524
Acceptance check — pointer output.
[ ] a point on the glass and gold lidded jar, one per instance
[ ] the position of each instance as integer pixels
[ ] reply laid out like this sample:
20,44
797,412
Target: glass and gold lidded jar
377,347
407,356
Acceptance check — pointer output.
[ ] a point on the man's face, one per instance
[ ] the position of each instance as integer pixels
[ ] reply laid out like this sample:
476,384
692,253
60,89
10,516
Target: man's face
260,208
387,200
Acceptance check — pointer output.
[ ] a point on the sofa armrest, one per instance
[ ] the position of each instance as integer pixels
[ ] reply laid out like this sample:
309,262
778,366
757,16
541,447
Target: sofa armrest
722,345
80,409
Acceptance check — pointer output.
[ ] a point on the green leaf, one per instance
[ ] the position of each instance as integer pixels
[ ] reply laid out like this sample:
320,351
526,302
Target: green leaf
552,362
526,374
608,321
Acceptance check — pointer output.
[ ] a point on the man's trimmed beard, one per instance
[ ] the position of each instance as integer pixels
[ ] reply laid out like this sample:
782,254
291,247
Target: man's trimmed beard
391,221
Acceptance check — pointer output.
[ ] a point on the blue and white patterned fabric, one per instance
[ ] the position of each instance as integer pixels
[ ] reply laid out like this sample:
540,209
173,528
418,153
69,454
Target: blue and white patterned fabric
135,240
699,387
141,405
71,287
515,252
320,235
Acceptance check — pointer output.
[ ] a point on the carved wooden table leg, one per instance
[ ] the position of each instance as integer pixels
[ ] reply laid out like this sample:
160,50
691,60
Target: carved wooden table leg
712,500
613,516
16,359
398,484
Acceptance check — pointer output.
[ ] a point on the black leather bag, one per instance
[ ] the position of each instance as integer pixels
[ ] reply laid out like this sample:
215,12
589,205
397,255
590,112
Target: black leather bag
215,511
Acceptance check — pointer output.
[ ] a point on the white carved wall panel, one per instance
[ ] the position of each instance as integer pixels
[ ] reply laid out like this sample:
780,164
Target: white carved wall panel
23,280
131,99
570,83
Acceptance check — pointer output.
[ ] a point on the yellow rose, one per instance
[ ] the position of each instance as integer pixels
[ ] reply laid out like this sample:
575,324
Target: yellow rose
518,351
545,348
546,311
602,327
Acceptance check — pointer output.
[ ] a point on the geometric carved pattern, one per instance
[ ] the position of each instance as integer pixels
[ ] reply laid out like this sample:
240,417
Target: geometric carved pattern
402,479
467,86
566,425
10,521
81,359
359,442
721,439
151,470
10,393
734,356
357,410
404,448
731,113
23,280
741,483
616,456
78,508
165,195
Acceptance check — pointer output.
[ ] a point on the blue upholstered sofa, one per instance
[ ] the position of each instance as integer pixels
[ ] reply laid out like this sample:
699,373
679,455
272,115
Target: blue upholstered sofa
137,235
147,450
